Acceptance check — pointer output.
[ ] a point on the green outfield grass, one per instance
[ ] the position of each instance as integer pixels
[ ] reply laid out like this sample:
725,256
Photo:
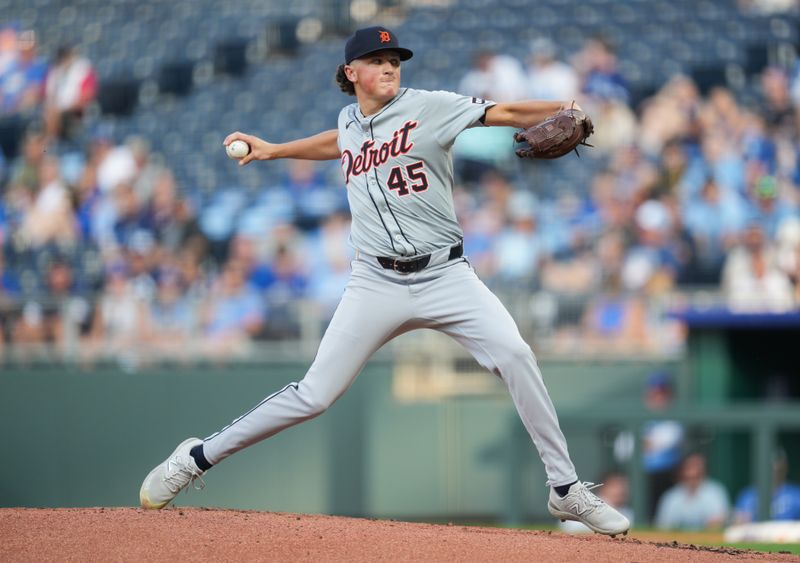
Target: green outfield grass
714,539
709,539
793,548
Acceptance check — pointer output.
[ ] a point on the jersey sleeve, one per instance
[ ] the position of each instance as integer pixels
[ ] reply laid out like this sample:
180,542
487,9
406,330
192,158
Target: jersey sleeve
449,114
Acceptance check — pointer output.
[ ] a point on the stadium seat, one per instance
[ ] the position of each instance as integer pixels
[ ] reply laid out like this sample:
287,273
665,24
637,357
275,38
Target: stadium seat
118,96
282,37
230,57
707,77
12,130
176,78
756,58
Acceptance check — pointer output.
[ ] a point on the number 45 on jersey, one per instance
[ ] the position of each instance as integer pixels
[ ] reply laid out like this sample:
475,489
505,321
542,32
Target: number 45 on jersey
414,178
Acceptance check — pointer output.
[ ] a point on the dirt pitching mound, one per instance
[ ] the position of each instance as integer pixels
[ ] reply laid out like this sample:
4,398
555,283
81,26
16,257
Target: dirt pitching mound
196,534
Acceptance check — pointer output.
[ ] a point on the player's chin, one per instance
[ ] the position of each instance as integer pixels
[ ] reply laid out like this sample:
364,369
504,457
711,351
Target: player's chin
389,90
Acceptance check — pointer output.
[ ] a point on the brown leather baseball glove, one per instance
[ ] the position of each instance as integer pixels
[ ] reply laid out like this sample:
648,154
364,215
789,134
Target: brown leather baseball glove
557,135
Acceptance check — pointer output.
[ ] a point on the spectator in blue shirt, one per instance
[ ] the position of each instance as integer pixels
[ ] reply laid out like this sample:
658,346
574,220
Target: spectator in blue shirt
785,496
768,206
714,221
9,282
170,318
22,84
597,63
314,197
234,315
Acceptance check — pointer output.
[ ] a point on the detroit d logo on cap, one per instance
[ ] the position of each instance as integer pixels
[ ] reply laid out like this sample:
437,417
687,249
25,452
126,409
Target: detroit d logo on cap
385,37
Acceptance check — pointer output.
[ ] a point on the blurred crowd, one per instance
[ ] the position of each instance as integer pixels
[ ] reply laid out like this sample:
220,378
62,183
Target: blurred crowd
104,247
688,191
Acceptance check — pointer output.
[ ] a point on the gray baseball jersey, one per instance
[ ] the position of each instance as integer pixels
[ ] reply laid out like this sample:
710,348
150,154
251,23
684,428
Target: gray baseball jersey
398,169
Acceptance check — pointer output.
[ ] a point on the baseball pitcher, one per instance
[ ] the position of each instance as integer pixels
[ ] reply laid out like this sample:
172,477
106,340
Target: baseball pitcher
395,148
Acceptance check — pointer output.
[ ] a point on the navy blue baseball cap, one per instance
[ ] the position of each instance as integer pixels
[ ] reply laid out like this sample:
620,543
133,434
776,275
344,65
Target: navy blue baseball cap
370,39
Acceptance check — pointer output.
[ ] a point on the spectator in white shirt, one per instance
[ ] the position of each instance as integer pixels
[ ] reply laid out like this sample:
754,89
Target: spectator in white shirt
70,86
751,278
547,77
695,502
499,78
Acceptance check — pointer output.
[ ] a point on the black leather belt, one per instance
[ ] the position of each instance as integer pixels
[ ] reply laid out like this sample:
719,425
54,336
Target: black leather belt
418,263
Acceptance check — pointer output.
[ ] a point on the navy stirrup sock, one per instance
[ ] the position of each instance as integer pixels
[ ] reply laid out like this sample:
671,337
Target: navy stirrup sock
562,490
200,458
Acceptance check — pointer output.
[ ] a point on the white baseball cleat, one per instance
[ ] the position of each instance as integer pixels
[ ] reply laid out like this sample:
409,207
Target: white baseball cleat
170,477
582,505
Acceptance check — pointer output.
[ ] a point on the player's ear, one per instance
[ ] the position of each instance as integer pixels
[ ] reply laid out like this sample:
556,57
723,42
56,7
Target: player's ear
350,73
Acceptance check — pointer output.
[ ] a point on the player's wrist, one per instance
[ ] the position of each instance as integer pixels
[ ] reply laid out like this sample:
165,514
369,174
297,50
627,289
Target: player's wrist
275,151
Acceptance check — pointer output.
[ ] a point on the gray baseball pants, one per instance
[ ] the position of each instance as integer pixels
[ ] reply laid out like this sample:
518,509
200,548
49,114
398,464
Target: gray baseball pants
380,304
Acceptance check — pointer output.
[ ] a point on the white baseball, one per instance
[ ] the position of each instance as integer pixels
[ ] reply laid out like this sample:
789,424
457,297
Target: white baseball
237,149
